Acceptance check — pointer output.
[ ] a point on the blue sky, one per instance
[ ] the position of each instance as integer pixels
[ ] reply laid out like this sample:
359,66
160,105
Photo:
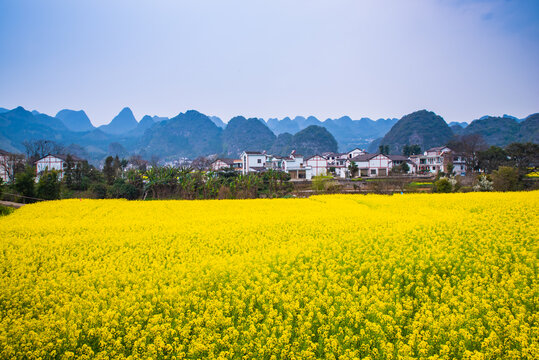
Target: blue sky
379,58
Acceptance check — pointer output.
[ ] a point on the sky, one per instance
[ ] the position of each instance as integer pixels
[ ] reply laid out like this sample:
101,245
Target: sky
363,58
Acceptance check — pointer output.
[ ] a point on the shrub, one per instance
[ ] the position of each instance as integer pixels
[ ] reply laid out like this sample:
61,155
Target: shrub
48,186
443,186
506,178
121,189
483,184
98,191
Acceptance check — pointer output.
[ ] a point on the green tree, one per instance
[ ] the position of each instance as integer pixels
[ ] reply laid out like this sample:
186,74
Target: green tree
492,158
353,168
108,170
523,156
48,186
443,186
506,179
25,183
408,150
383,149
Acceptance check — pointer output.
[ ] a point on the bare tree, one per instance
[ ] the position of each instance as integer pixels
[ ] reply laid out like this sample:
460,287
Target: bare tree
138,162
36,149
201,163
469,145
11,165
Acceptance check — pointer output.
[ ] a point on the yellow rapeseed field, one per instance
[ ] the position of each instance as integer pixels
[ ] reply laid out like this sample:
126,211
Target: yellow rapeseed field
422,276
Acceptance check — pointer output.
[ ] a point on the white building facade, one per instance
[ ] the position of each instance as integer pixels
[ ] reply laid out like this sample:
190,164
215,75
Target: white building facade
318,164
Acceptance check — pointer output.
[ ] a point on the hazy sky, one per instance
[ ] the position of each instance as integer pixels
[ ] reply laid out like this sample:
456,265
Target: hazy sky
380,58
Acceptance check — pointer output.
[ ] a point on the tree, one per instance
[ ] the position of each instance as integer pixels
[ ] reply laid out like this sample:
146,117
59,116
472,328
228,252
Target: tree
383,149
11,165
353,168
523,156
492,158
36,149
414,149
48,186
443,186
138,162
25,182
108,170
201,163
506,179
468,145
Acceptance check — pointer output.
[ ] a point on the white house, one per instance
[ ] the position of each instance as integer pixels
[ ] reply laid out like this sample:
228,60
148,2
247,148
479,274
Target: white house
398,160
318,164
220,164
433,160
56,162
295,166
252,161
355,152
372,164
337,163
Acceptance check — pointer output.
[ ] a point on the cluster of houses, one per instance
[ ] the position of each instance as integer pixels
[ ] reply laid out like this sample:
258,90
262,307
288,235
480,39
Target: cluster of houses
431,161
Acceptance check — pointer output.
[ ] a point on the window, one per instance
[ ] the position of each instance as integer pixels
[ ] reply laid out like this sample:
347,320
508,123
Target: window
259,161
373,171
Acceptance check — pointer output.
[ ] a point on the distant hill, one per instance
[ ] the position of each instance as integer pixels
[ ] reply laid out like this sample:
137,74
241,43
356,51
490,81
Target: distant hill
283,145
348,133
75,120
189,134
144,124
529,129
499,131
217,121
19,125
3,110
307,142
423,127
122,123
246,134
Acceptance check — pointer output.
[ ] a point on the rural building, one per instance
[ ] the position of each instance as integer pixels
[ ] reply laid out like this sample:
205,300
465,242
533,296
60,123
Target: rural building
337,163
295,166
437,159
372,164
398,160
221,164
318,164
253,161
56,162
355,152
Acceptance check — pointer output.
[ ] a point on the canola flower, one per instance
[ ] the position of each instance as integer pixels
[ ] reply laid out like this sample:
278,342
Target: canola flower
423,276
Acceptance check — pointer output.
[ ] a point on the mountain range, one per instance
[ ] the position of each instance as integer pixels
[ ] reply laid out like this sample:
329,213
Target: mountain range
193,134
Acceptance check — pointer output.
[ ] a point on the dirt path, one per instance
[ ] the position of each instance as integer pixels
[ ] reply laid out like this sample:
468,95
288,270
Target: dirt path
11,204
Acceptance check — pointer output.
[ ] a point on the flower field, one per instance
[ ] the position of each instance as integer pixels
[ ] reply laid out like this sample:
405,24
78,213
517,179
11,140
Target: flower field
427,276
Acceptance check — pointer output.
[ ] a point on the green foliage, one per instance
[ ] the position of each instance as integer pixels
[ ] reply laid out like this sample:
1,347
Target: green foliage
383,149
408,150
323,183
25,183
443,186
492,158
6,210
123,190
98,190
48,186
506,179
353,168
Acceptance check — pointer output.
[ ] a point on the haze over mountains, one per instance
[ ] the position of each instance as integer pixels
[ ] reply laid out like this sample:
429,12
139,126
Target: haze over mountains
193,134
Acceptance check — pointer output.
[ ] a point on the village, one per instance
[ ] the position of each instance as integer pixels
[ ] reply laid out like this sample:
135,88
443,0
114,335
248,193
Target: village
352,164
